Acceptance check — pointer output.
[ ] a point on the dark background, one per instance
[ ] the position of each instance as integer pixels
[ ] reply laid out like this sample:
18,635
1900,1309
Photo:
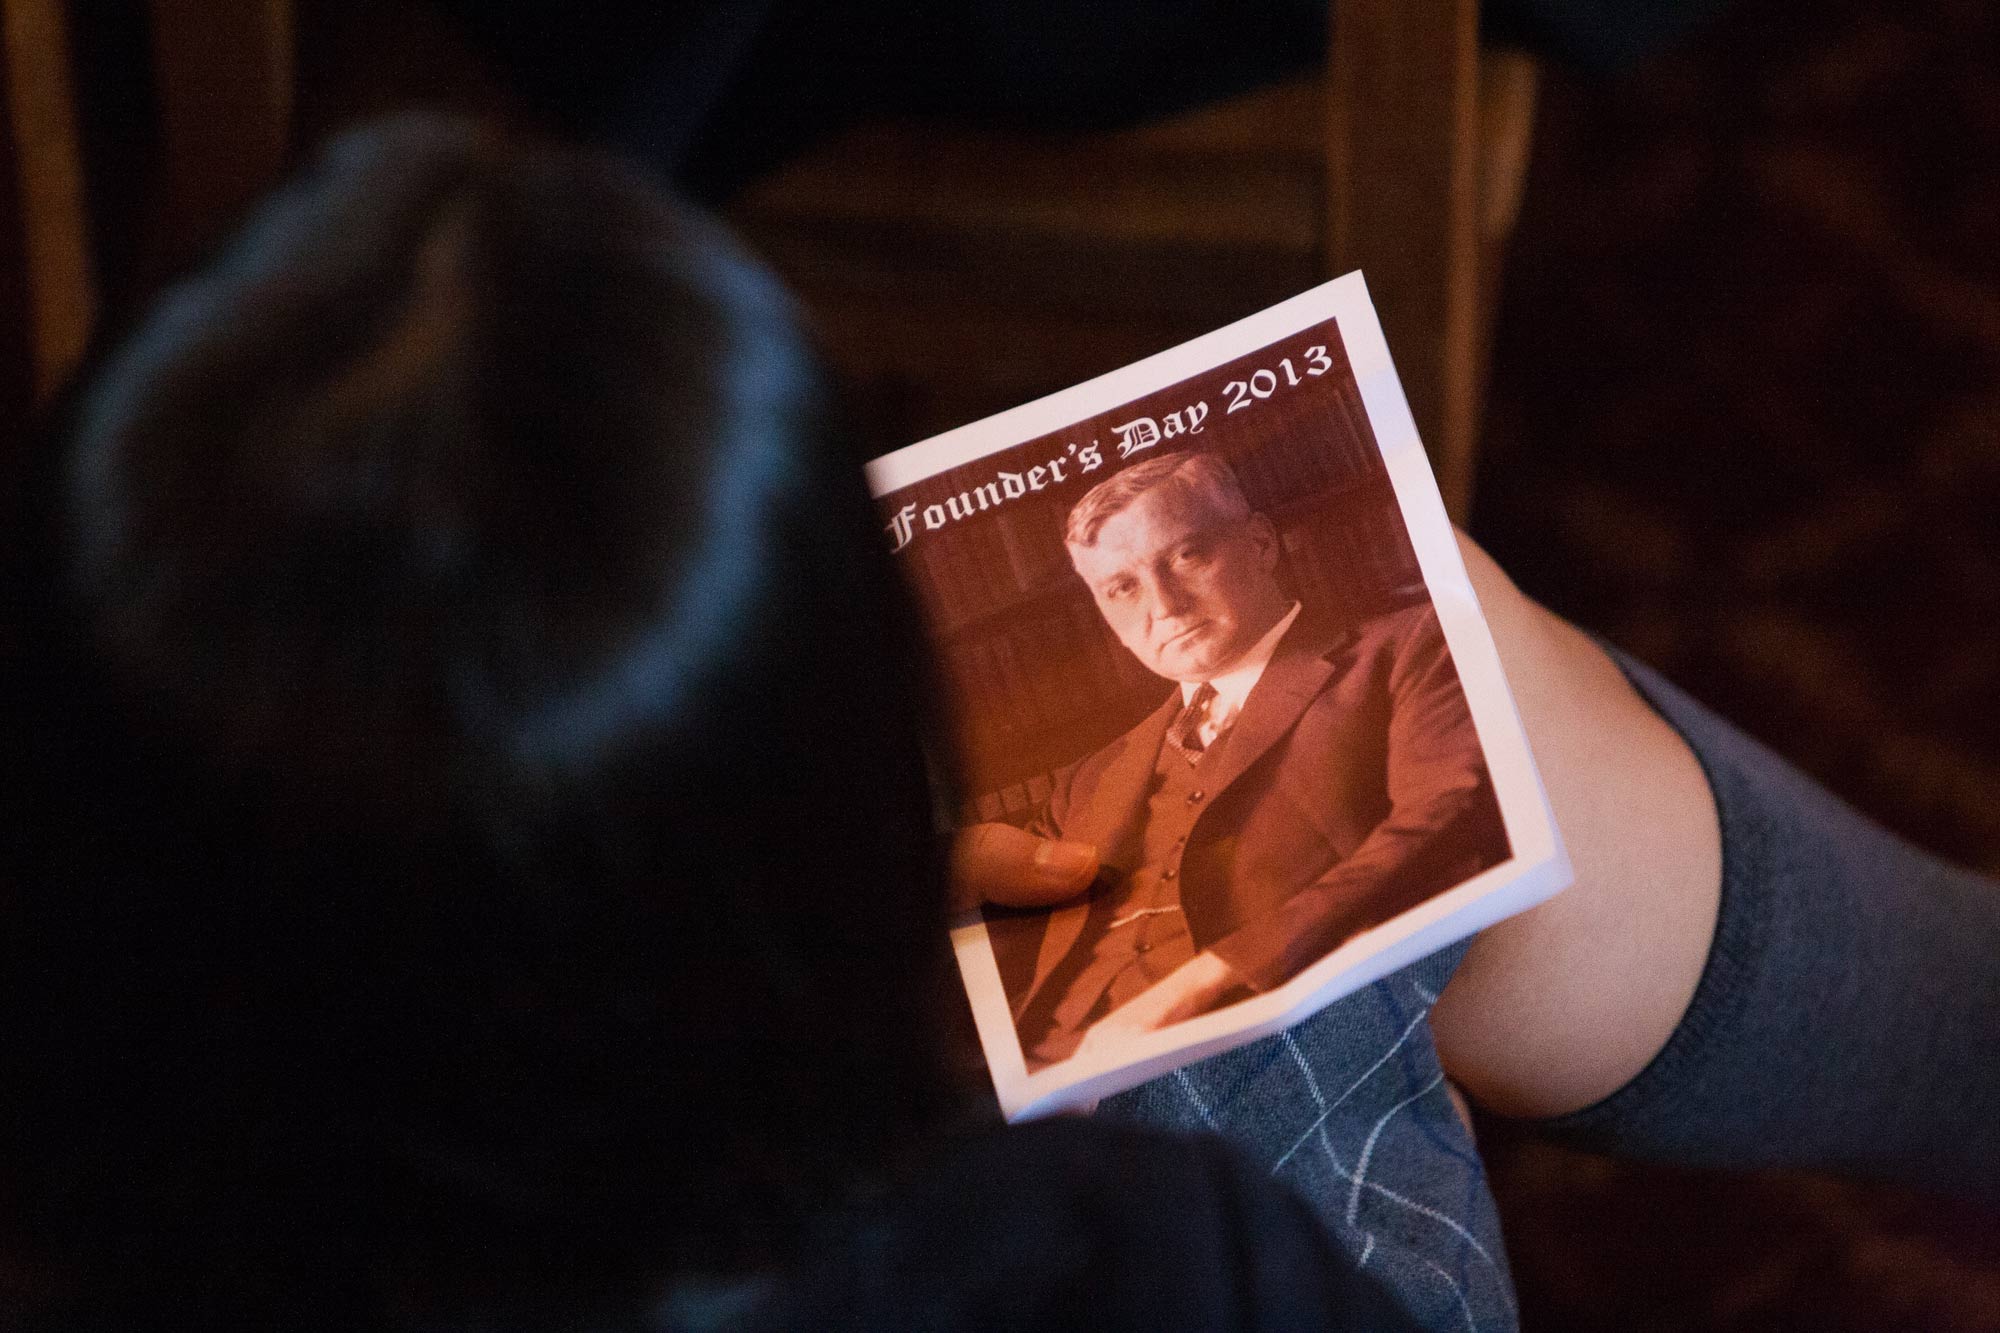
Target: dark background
1745,420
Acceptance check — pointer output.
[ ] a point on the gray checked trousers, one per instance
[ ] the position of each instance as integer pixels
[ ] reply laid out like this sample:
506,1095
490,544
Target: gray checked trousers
1846,1019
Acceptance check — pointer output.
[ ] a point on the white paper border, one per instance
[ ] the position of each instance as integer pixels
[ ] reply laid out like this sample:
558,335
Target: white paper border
1539,866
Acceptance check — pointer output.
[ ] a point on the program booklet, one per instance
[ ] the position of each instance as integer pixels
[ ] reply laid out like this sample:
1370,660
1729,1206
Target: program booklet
1204,618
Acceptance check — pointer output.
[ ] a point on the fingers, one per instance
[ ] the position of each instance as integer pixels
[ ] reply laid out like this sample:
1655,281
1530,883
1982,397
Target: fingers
998,863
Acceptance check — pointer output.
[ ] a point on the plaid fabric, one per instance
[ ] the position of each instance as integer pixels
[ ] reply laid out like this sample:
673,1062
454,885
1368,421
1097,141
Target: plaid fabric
1349,1109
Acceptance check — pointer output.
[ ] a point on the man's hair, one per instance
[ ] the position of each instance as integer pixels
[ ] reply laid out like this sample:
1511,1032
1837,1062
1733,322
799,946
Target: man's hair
478,836
1193,478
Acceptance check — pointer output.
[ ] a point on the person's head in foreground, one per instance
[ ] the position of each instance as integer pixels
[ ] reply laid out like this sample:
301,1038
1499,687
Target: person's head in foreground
476,868
1183,572
480,845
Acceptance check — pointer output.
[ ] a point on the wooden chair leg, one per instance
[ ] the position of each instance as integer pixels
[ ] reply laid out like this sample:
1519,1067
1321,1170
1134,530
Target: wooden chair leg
49,222
1404,182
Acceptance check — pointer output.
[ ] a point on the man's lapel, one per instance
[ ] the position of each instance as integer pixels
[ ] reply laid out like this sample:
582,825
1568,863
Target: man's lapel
1108,817
1307,659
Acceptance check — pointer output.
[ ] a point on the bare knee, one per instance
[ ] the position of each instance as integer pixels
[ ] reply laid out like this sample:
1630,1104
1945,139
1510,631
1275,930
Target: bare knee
1560,1006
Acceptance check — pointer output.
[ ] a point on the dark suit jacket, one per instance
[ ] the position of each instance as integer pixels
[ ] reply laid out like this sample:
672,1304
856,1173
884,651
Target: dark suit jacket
1352,788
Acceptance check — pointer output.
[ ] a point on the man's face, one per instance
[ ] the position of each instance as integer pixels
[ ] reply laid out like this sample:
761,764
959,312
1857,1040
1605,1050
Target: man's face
1187,592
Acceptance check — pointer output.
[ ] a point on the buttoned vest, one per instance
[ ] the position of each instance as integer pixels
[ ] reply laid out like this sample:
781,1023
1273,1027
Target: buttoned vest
1137,934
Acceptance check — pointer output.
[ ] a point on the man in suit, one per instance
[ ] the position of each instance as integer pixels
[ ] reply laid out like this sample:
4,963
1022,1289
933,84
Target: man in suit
1303,782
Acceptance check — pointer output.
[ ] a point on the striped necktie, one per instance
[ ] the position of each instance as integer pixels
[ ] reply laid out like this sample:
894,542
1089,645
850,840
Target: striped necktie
1185,733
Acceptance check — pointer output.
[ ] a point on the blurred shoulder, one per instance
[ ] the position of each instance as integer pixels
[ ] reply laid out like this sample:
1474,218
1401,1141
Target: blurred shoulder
1063,1222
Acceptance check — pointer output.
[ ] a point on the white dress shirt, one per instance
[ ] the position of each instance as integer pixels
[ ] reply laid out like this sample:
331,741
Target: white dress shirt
1233,685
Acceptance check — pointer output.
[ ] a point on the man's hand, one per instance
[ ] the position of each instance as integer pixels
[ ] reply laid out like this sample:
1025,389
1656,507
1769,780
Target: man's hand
998,863
1188,990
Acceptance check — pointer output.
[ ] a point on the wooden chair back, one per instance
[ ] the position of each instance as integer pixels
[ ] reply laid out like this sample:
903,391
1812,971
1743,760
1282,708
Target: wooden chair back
960,270
1404,160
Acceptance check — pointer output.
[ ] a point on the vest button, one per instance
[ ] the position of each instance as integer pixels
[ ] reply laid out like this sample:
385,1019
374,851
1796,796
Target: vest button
1168,873
1194,797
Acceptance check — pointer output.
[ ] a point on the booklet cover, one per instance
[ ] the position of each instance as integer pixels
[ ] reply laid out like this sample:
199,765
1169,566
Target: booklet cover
1205,615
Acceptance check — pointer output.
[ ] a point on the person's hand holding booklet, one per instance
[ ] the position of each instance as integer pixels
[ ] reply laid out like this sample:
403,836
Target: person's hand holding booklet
1009,867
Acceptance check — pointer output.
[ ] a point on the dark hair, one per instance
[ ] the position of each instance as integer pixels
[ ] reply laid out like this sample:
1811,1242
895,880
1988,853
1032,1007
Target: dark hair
479,842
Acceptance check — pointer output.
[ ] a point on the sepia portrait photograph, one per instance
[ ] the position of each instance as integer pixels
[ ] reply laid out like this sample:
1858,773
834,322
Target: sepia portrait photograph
1191,636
